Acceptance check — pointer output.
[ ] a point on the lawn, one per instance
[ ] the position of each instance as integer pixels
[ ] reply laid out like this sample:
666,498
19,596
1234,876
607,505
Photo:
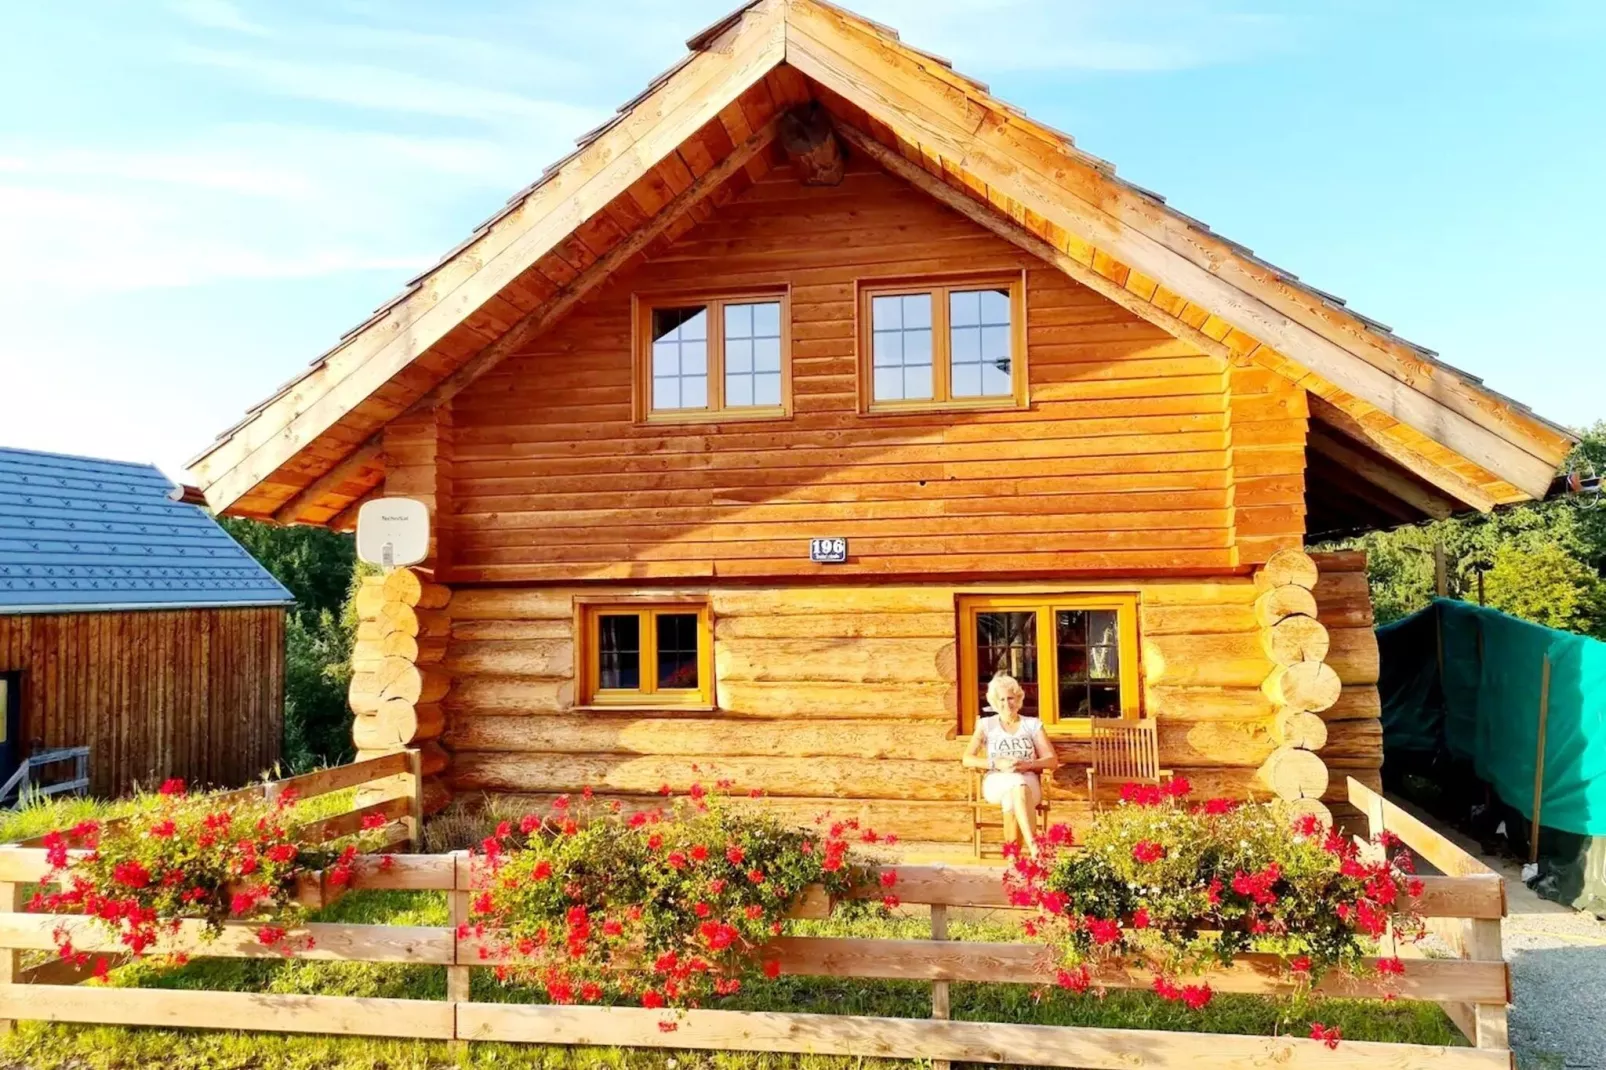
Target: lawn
42,1047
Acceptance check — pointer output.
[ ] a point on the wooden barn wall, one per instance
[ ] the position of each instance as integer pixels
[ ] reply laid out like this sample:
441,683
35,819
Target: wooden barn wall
844,698
192,693
1138,455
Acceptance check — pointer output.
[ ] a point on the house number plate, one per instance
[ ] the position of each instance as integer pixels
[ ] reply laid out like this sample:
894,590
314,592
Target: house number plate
828,551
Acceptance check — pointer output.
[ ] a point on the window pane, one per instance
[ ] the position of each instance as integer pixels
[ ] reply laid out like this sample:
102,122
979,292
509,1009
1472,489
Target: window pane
964,308
967,380
766,354
1007,641
901,339
739,355
619,652
677,651
1089,662
752,343
767,388
980,337
680,357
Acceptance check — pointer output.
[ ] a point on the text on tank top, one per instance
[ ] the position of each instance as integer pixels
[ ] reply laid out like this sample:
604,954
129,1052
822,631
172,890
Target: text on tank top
1003,744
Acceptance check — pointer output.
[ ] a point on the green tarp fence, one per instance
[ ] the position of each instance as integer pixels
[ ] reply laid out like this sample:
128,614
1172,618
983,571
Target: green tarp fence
1482,708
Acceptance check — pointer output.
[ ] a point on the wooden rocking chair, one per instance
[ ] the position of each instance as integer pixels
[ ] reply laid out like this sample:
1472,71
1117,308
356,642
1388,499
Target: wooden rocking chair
1124,752
980,807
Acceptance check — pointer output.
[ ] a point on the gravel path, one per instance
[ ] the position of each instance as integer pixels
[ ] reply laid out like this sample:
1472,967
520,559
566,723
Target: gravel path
1558,974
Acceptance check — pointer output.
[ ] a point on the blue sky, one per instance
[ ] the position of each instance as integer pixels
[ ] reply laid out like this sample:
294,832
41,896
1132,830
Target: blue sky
199,196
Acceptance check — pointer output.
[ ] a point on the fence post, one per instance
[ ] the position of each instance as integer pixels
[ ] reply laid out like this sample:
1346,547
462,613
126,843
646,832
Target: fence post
459,977
10,959
939,989
1482,943
415,805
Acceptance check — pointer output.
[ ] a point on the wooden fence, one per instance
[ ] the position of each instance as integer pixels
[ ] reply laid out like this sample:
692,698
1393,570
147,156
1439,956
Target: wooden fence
1474,986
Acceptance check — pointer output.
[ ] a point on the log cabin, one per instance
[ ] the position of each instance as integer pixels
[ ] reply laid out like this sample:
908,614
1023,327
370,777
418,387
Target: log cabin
131,624
819,383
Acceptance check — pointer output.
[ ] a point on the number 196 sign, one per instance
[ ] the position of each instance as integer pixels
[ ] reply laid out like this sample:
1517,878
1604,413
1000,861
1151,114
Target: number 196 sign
828,551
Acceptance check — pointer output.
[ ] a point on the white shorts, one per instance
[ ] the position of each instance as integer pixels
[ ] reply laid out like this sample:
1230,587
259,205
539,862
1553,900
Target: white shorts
999,788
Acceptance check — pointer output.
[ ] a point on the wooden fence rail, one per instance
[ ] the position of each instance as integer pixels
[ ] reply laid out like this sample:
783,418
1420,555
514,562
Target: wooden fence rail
1477,982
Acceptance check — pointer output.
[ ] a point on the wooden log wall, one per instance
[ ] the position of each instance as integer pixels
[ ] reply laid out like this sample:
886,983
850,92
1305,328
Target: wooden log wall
844,698
1138,455
397,682
192,693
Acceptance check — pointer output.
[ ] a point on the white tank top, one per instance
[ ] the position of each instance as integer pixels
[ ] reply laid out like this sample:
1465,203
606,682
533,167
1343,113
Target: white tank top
1018,744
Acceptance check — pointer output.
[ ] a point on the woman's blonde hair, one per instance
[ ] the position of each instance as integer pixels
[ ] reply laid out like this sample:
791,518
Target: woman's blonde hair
1000,685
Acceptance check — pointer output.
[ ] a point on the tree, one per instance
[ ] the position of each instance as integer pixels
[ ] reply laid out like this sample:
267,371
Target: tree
319,568
1544,561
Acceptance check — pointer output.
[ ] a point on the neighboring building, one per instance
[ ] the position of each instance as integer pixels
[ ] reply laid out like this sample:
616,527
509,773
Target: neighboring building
133,624
814,284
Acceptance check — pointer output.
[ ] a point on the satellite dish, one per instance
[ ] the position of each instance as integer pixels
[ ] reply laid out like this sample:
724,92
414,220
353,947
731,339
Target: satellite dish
393,532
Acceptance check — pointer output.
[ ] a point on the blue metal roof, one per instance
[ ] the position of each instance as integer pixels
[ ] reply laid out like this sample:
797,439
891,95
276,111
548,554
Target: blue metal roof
79,534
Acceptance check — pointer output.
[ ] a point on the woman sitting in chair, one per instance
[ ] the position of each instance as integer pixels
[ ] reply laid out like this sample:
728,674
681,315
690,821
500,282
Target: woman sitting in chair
1014,751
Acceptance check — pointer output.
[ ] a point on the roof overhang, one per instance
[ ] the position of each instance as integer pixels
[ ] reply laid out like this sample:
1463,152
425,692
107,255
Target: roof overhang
308,453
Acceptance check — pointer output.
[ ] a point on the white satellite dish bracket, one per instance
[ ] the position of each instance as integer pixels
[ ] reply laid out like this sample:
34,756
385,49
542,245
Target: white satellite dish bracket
393,532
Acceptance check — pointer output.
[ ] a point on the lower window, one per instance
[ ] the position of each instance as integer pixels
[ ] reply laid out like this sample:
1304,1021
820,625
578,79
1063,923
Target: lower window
1074,655
647,654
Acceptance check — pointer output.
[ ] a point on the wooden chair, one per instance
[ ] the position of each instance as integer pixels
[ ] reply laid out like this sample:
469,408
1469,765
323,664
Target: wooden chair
980,806
1124,752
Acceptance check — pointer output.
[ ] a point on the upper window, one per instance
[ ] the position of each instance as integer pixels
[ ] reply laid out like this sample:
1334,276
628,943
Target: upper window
943,345
638,654
725,356
1074,655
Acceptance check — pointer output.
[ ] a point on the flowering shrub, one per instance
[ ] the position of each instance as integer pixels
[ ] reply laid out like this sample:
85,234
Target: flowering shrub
186,856
668,907
1178,888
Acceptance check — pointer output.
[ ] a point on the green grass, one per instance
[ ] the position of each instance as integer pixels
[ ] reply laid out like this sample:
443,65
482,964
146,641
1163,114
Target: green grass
45,1047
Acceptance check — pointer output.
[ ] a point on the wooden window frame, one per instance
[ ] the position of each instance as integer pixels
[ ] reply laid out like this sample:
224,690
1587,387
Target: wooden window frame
642,306
588,660
939,287
1124,605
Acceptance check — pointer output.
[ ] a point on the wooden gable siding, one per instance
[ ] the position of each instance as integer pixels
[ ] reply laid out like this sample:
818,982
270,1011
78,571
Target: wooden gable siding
192,693
844,697
1122,463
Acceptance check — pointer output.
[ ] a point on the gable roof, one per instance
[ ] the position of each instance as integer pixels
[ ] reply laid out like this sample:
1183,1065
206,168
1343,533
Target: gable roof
79,534
699,131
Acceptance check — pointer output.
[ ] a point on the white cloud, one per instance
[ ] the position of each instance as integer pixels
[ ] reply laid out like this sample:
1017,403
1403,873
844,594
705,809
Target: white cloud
218,15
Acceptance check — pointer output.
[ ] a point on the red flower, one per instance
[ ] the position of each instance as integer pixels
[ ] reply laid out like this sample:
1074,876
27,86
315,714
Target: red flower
666,962
697,792
754,912
591,991
890,902
1141,794
270,935
164,830
1104,930
284,853
131,874
703,909
561,803
1219,806
1300,964
1059,835
1140,918
1177,787
1076,980
102,969
1330,1037
677,860
370,822
1390,966
699,853
529,823
1147,851
772,969
655,841
612,927
889,877
756,876
734,855
542,870
1196,996
651,999
172,786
